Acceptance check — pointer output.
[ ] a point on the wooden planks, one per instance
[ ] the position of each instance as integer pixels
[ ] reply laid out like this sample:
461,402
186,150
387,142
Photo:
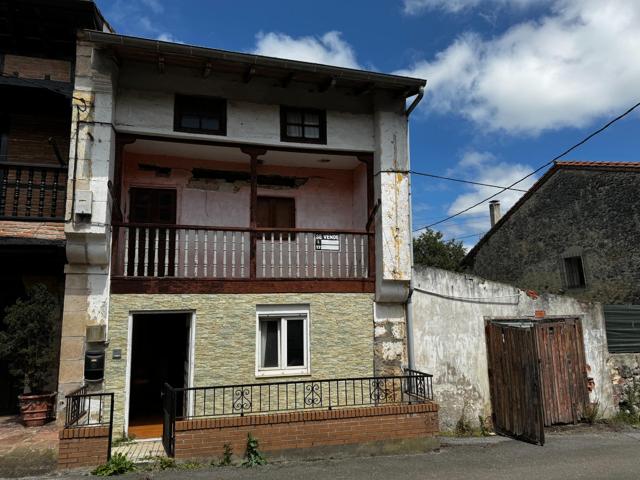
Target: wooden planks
515,382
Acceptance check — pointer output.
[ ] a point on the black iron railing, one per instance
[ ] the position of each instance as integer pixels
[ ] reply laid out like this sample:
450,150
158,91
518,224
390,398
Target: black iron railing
89,410
32,192
230,400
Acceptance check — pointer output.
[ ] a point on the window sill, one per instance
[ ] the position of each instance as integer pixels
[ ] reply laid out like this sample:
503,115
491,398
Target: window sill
304,372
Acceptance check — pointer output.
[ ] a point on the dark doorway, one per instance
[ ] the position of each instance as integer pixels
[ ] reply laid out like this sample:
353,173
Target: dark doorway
159,354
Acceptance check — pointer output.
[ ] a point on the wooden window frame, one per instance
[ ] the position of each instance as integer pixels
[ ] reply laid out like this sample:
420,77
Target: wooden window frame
322,115
179,109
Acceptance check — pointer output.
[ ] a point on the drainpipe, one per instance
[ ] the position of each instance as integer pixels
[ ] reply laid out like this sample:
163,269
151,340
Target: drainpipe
415,102
408,303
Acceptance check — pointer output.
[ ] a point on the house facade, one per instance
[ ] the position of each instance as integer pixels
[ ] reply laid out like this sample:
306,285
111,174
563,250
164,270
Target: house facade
234,220
37,59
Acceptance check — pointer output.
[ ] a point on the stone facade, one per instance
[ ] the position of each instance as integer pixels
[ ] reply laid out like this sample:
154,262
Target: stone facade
625,373
577,210
341,340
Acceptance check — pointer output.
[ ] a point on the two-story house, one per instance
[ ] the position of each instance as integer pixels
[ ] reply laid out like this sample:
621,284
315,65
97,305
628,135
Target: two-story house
235,220
37,66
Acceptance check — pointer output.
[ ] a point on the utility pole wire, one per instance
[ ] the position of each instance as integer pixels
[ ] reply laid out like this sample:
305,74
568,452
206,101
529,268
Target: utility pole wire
423,174
568,150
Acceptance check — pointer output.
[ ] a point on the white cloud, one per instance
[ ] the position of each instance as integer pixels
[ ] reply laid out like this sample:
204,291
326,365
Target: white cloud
168,37
155,6
563,70
414,7
329,49
482,167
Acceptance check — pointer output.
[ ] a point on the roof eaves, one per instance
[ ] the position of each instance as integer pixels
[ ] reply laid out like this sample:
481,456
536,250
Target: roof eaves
160,47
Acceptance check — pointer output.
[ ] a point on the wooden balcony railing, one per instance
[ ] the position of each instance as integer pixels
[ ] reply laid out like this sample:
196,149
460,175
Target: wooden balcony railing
148,250
32,192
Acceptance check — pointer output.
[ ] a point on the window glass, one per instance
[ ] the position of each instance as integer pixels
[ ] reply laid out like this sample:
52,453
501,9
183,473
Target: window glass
311,119
269,343
294,130
209,123
295,343
312,132
294,116
200,114
190,121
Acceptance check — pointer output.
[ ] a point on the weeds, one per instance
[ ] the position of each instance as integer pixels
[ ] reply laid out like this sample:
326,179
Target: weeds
123,440
592,412
253,457
463,427
117,465
485,426
226,456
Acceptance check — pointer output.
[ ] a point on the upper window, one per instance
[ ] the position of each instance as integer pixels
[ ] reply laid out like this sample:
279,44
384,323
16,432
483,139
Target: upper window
276,212
574,272
200,115
282,341
304,125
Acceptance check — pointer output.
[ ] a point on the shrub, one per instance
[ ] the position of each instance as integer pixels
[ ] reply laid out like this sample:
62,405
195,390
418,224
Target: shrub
226,455
29,342
117,465
253,456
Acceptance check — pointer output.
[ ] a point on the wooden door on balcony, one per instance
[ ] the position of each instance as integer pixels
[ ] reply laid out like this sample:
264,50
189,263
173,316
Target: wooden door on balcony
152,249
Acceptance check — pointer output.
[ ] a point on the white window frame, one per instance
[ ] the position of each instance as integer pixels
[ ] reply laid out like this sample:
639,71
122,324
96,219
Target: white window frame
279,312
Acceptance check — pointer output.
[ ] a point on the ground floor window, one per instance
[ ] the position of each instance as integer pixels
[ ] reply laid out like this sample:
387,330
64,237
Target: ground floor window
282,340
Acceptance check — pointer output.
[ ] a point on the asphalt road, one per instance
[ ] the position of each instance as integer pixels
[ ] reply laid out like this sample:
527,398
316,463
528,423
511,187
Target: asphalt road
603,455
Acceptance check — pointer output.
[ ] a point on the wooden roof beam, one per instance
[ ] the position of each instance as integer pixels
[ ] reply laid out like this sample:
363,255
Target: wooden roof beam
327,84
206,70
286,81
160,64
249,73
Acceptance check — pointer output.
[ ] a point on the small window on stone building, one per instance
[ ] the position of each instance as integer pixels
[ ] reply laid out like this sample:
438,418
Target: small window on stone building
574,272
282,341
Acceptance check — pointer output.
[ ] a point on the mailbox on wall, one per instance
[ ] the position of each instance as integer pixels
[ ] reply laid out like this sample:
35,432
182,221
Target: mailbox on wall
94,366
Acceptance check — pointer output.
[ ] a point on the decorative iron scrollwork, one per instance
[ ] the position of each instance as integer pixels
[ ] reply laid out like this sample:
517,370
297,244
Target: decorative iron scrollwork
242,399
378,390
312,394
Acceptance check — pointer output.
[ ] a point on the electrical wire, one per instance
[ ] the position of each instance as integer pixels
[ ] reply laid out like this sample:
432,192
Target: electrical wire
568,150
424,174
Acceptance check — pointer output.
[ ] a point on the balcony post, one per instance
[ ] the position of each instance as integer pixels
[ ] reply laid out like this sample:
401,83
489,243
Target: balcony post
253,206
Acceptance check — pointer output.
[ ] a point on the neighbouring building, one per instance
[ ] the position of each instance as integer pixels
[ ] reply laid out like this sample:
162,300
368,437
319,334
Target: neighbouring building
235,220
575,233
37,63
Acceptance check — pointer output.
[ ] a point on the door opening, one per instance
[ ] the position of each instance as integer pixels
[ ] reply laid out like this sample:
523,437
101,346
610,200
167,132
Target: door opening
160,348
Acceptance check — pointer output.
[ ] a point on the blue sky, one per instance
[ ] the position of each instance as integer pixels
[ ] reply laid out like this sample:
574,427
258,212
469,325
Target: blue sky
511,83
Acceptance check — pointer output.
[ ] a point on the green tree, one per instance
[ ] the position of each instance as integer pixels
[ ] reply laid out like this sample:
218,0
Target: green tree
430,250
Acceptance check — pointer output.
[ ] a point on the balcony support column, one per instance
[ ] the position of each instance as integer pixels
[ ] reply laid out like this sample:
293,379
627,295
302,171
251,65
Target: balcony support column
253,153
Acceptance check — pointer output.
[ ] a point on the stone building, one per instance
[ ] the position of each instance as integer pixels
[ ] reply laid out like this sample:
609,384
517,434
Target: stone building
235,219
37,55
575,232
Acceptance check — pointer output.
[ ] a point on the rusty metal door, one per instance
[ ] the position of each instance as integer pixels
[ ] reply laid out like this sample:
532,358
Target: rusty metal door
514,378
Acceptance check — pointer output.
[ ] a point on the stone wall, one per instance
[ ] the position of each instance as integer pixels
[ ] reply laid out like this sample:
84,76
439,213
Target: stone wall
369,429
448,339
590,213
340,331
625,369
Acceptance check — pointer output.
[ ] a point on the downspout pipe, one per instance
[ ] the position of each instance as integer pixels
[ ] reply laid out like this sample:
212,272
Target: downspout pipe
408,304
415,102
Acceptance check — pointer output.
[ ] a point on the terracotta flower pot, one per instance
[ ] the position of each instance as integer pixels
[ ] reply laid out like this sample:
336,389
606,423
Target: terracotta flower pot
36,410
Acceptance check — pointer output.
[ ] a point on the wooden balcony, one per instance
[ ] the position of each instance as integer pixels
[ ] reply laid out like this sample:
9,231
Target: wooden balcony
31,192
152,258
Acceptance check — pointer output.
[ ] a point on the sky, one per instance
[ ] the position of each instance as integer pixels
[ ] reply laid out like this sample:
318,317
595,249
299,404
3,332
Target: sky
510,83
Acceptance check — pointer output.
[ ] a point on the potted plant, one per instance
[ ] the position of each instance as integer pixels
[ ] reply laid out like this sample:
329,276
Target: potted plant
29,343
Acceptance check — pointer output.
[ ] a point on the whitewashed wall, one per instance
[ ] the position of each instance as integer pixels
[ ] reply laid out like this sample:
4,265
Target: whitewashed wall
448,339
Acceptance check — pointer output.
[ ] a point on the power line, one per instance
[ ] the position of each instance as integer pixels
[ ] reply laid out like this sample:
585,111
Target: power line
464,236
423,174
568,150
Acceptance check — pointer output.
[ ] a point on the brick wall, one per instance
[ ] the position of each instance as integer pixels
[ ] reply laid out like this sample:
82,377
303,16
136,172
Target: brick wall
83,447
37,68
39,230
305,430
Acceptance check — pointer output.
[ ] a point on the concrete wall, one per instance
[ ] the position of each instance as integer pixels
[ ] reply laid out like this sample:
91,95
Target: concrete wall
328,198
588,213
340,333
448,340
